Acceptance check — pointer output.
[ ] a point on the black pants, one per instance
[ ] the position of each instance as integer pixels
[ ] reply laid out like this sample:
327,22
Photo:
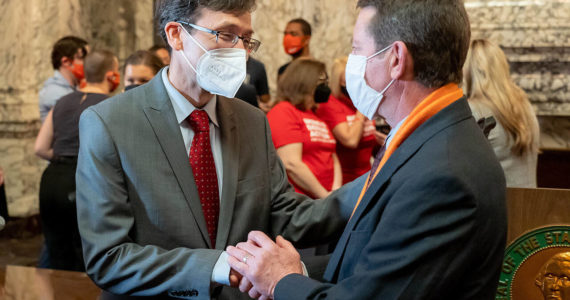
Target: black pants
3,204
59,218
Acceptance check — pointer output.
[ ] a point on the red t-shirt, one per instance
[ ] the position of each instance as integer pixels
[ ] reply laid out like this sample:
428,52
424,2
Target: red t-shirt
354,162
291,125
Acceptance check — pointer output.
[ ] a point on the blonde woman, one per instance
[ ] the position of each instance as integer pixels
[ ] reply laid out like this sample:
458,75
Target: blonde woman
303,141
356,135
491,92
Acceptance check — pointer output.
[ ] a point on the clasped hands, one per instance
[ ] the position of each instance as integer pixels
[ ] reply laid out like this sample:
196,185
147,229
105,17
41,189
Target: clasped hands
258,264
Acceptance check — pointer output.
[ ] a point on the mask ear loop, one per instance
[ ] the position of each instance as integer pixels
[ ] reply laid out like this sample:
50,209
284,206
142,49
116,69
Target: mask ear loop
197,43
389,84
377,53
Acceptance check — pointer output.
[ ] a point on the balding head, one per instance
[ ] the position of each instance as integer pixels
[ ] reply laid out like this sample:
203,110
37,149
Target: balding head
97,64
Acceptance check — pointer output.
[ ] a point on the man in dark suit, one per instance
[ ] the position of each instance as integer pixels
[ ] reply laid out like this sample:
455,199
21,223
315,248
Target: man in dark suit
430,222
169,174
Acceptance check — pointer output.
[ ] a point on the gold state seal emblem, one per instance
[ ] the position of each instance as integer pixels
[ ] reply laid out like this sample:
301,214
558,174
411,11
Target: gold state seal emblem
537,266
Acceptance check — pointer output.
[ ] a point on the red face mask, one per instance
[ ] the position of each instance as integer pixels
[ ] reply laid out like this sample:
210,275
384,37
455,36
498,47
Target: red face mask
292,44
77,71
115,81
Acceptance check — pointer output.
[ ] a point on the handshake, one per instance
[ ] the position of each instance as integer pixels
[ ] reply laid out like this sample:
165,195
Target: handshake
258,264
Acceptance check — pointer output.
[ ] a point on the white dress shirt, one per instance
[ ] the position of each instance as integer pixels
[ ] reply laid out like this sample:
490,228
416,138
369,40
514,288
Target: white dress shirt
183,108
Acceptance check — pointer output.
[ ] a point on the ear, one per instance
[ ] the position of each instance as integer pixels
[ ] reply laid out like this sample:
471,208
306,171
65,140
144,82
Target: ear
401,62
307,40
109,75
66,61
173,33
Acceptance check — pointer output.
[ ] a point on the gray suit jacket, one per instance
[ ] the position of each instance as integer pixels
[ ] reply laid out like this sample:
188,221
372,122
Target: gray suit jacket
140,218
432,224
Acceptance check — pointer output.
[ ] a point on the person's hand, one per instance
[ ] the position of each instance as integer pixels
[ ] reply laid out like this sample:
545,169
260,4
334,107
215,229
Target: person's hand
380,137
239,281
1,176
235,278
264,262
359,116
266,106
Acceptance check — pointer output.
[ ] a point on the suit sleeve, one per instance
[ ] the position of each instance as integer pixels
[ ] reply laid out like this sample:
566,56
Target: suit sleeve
304,221
417,244
113,261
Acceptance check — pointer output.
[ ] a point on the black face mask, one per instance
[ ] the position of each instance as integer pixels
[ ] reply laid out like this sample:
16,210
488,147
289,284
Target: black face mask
132,86
322,93
344,91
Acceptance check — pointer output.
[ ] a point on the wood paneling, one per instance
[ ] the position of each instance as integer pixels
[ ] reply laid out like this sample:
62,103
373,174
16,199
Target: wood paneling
532,208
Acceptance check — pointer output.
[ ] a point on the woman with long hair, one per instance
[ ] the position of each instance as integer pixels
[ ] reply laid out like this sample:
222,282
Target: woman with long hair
303,141
492,93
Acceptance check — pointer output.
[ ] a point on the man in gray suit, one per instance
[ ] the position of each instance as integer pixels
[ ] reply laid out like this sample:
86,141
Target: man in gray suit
172,172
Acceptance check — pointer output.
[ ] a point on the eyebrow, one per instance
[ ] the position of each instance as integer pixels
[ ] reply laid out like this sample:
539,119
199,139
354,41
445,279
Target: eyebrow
230,25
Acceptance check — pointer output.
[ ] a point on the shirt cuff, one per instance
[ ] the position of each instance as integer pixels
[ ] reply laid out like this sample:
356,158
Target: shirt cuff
305,272
221,272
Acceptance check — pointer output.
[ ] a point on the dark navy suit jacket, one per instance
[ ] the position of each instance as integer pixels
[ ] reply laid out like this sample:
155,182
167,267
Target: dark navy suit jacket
432,225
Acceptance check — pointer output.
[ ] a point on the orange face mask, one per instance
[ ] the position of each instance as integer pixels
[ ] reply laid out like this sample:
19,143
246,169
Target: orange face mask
292,44
77,71
115,81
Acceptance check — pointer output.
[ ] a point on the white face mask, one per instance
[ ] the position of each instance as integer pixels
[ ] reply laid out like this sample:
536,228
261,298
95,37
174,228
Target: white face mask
220,71
364,98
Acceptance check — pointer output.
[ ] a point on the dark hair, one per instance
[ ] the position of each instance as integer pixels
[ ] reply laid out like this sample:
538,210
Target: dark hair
155,48
146,58
299,80
436,32
67,47
305,26
97,64
189,10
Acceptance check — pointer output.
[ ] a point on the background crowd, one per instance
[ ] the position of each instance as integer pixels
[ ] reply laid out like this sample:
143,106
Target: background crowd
319,135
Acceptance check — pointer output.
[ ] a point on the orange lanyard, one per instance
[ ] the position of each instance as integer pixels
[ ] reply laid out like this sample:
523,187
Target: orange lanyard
431,105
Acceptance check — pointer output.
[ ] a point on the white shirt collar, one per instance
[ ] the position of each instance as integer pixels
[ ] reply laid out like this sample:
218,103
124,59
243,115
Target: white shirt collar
182,107
393,131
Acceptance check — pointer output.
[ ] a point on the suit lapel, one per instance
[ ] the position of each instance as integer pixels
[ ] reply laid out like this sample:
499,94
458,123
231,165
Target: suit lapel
450,115
162,118
230,158
396,160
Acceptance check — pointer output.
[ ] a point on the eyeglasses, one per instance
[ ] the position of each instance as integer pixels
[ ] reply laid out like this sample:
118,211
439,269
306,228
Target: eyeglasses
228,39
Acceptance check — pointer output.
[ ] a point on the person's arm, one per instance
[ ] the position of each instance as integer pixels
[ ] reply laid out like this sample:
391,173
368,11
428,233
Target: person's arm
298,171
264,103
299,219
337,182
350,135
1,176
113,260
392,256
262,88
44,140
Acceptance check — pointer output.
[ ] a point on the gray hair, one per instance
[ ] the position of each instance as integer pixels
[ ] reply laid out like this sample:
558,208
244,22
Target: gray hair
436,32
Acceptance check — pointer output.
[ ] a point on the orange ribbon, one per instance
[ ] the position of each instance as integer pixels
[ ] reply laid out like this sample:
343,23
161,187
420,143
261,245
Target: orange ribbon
431,105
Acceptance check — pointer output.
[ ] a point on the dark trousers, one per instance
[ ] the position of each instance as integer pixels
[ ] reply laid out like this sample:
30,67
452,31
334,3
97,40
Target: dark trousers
3,204
59,218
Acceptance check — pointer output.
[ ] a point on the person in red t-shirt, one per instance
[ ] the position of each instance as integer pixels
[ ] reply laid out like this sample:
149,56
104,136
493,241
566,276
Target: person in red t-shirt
303,141
356,135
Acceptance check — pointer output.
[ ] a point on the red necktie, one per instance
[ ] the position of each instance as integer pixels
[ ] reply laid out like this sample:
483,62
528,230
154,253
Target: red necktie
204,169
